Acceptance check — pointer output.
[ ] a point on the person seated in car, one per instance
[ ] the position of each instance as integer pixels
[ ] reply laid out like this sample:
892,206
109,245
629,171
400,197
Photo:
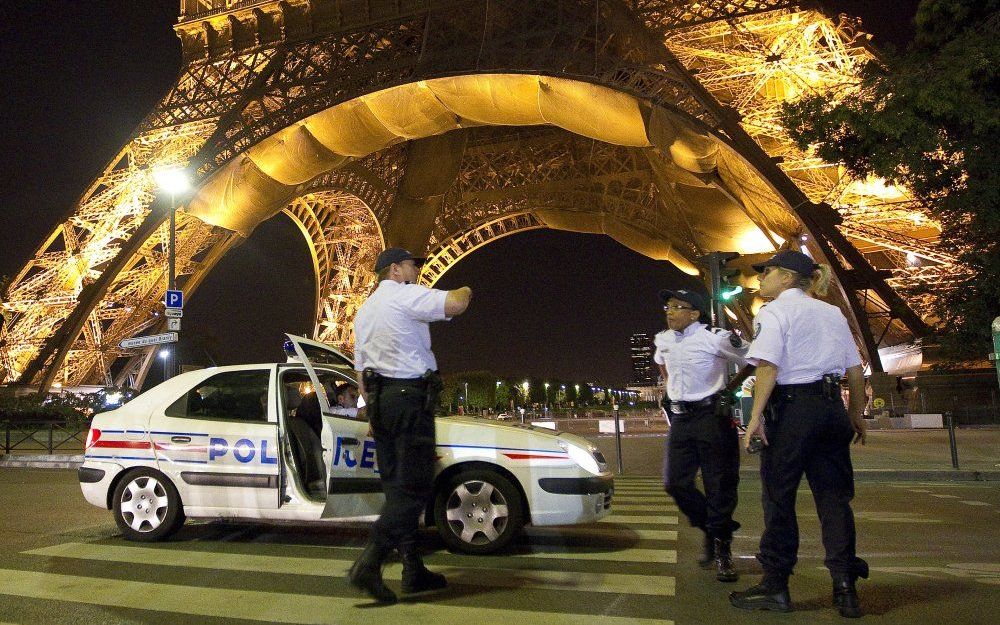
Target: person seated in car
347,401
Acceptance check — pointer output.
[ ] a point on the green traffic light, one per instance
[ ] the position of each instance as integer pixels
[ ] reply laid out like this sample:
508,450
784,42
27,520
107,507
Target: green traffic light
730,293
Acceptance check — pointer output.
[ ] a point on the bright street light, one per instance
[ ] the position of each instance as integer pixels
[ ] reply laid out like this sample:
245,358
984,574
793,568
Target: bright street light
173,180
164,353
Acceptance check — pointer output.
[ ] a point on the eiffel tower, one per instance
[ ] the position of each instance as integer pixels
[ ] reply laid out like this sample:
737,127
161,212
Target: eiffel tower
443,125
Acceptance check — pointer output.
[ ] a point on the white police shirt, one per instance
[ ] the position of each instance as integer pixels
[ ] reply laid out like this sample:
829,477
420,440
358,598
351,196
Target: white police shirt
391,331
695,359
804,337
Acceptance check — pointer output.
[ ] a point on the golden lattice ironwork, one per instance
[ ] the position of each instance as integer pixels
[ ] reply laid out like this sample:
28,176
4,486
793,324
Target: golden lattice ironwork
320,109
755,64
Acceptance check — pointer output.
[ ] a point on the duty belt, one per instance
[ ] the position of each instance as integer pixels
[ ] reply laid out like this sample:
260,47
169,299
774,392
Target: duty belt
683,407
828,386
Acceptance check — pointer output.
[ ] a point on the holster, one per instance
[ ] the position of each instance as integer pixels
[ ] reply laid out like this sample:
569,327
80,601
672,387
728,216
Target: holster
434,387
831,386
373,386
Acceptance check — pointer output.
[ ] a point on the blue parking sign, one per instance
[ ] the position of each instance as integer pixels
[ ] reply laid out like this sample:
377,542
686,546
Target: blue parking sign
174,299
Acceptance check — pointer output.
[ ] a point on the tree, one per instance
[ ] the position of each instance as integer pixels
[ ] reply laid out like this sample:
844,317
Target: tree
928,118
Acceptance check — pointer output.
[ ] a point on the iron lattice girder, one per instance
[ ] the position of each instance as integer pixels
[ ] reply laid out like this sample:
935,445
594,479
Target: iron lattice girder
311,56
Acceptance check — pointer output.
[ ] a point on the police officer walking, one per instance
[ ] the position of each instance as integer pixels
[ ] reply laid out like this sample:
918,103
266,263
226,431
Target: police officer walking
802,347
692,358
397,376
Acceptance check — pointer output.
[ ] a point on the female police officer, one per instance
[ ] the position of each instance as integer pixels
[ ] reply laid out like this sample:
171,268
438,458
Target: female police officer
802,348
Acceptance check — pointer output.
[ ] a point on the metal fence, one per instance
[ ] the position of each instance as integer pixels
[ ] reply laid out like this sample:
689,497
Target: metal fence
43,436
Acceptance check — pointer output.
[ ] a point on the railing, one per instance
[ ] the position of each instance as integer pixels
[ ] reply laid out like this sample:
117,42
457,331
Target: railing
43,436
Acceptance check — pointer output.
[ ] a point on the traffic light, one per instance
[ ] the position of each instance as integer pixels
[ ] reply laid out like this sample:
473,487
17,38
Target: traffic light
723,280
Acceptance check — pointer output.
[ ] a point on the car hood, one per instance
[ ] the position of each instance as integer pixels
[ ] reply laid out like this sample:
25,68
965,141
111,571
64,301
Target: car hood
475,430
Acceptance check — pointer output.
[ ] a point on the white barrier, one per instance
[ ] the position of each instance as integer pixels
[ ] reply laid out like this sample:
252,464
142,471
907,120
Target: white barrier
607,426
918,421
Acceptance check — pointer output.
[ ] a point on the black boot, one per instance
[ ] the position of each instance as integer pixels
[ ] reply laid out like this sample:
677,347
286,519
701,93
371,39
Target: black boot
724,569
845,597
416,577
708,552
366,574
770,594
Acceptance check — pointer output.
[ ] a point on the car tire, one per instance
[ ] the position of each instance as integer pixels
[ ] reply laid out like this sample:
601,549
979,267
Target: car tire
478,511
146,506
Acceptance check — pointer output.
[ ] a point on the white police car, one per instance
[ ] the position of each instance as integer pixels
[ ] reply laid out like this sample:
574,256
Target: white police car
235,442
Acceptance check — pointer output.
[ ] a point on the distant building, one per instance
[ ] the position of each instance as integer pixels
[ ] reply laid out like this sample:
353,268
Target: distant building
640,347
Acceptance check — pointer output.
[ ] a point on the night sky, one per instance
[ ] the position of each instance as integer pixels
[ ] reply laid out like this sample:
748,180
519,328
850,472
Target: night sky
78,77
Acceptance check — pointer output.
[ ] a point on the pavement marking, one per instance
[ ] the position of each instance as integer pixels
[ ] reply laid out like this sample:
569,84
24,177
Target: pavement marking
334,567
643,556
944,496
656,500
594,531
639,519
646,507
266,606
975,503
894,517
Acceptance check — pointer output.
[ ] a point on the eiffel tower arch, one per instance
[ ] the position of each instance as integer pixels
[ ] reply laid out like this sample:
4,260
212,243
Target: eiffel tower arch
444,125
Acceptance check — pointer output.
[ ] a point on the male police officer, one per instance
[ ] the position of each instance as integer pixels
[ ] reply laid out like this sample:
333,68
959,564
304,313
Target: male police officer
692,359
397,376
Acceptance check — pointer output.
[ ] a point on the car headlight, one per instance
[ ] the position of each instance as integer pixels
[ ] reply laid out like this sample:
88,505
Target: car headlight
586,458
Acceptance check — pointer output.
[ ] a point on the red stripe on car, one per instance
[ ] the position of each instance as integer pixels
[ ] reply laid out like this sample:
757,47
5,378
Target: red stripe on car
123,444
532,457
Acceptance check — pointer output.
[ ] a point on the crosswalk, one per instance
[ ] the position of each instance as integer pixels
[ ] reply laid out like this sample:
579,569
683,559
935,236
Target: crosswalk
618,571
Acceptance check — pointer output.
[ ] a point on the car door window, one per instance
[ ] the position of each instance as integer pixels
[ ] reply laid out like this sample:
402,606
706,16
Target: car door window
229,396
299,396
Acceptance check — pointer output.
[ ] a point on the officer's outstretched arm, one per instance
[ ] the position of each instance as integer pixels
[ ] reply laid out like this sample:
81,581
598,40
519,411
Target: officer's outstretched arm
457,301
857,401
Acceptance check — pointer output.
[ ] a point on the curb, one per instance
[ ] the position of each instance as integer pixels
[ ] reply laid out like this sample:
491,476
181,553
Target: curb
55,461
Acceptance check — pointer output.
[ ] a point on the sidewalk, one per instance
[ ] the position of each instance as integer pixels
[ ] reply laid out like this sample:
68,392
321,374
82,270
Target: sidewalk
902,455
921,455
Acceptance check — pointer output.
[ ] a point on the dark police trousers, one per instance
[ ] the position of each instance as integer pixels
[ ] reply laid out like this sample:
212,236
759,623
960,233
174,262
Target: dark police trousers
699,438
808,433
403,426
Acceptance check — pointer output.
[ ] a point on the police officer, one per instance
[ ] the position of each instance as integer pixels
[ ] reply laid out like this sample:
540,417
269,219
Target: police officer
692,358
802,347
397,376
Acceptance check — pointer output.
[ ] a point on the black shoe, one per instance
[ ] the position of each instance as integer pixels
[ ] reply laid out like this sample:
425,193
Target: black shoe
366,574
763,597
724,569
416,577
845,598
708,553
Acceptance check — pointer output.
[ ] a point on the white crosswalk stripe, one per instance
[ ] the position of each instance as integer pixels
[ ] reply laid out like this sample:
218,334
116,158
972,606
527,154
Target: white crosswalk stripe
338,567
264,606
621,555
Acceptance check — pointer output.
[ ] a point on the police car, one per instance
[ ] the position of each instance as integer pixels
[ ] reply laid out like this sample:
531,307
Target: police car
234,443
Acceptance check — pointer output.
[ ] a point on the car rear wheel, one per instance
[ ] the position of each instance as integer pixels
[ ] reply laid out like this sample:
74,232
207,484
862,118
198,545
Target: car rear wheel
478,511
147,507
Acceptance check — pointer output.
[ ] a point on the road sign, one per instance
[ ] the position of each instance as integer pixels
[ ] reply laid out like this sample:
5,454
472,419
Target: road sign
174,299
174,325
143,341
174,313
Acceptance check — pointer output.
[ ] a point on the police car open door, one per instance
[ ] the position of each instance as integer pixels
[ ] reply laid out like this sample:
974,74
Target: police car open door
353,485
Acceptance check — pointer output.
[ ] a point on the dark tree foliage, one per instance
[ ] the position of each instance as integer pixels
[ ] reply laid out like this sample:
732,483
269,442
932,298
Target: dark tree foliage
929,118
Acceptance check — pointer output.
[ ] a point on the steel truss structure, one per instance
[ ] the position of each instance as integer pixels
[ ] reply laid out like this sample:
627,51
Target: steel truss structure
255,67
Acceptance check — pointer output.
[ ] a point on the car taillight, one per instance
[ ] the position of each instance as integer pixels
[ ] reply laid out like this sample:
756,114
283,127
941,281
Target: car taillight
92,437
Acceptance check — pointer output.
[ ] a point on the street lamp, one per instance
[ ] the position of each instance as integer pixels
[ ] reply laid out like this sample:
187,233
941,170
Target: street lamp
175,181
164,356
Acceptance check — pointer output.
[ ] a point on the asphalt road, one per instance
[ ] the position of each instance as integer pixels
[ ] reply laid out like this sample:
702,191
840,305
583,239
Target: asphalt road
933,550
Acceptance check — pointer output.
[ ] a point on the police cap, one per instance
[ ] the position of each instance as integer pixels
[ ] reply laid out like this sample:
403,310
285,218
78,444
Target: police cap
691,297
791,260
396,255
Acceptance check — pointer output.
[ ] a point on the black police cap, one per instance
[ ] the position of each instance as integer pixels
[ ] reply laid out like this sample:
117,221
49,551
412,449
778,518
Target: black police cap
791,260
691,297
396,255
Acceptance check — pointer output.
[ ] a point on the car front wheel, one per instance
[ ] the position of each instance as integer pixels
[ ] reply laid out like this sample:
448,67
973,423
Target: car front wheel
147,507
478,511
